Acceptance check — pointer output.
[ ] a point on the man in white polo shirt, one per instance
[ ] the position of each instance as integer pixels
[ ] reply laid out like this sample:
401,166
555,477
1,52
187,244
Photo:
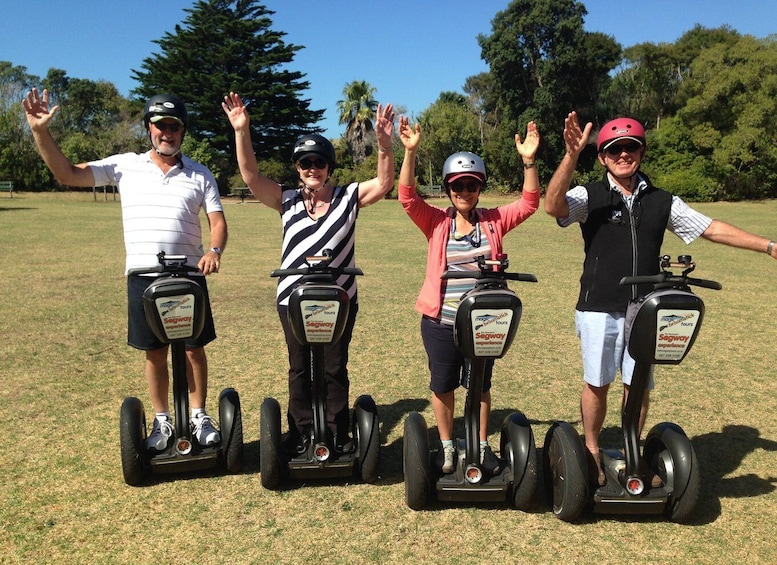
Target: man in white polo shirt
162,192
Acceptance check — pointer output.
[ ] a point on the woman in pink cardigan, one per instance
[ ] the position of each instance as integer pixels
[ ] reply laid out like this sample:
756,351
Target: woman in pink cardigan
457,235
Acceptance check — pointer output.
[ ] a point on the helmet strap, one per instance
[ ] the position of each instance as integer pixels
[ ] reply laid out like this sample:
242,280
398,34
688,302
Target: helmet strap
177,151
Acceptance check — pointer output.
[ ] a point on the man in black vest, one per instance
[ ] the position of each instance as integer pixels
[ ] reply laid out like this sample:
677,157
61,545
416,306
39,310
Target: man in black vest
623,218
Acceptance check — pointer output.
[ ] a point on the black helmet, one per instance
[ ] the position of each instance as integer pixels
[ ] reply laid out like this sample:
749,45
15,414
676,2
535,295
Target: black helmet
314,144
163,106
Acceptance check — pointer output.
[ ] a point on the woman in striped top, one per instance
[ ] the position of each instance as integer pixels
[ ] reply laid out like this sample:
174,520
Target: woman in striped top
457,235
315,215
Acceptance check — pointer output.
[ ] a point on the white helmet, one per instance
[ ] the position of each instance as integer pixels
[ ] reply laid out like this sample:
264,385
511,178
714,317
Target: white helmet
463,164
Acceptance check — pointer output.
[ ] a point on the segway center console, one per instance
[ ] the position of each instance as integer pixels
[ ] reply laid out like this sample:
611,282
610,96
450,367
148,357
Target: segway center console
318,312
174,307
664,326
484,328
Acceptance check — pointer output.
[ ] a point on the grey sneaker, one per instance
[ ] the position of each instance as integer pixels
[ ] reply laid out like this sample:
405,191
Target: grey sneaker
160,435
204,431
449,461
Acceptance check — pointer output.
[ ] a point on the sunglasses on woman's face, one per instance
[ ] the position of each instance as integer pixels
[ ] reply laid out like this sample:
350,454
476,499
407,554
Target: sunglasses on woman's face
469,186
164,126
615,150
307,163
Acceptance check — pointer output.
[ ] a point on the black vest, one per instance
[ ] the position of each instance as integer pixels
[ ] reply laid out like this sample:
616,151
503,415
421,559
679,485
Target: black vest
620,242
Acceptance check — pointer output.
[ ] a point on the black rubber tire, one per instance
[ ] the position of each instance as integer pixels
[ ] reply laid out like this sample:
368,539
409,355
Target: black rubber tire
517,437
367,434
415,462
670,454
565,471
229,403
270,443
132,434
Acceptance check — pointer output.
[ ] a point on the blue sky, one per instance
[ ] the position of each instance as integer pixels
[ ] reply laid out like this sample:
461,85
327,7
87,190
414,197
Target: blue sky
409,50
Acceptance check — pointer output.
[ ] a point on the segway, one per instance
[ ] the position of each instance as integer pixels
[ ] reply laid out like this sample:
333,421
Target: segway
318,312
664,327
174,306
484,328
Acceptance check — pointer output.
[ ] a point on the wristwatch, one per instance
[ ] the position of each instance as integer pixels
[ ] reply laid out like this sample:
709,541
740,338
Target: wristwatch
216,250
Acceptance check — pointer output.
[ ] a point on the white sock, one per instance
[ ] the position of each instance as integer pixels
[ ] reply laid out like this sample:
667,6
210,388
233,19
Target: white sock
197,413
163,416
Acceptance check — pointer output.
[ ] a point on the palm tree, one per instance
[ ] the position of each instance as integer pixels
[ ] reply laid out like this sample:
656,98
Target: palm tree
357,110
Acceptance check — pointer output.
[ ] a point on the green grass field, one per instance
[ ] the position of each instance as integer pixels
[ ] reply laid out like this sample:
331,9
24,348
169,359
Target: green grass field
65,368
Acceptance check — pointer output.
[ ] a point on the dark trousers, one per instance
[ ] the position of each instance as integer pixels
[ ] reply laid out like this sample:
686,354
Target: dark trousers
300,411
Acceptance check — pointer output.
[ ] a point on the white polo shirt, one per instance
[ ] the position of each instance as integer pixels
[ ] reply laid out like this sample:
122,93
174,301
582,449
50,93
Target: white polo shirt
161,212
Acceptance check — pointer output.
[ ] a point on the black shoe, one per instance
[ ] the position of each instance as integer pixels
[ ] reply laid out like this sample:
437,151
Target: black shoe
491,464
344,444
295,443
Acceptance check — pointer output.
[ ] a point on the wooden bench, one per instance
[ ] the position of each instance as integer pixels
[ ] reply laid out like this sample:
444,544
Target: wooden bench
6,186
240,191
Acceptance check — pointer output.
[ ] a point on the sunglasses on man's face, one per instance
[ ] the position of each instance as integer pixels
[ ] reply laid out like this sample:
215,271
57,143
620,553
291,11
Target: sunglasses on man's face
164,126
469,186
615,150
307,163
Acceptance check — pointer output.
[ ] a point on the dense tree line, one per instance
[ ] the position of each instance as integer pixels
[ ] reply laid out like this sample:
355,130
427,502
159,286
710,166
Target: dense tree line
707,101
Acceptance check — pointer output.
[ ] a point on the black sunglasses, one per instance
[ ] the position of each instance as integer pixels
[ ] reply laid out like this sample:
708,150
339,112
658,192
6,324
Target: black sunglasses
164,126
470,186
307,163
615,150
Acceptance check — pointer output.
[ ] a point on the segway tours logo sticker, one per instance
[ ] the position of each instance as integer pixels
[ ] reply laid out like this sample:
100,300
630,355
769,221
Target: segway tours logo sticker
320,320
491,329
675,331
177,315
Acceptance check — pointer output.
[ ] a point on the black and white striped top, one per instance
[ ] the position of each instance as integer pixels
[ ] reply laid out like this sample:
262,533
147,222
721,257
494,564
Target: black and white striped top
304,236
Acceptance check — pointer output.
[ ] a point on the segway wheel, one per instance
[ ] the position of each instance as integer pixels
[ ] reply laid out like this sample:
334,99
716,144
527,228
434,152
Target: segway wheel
132,434
564,468
517,444
670,454
231,421
415,462
367,435
270,443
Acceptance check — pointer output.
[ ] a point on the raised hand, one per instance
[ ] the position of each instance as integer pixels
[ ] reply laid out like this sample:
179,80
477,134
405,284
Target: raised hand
528,147
236,111
37,111
574,137
409,136
384,126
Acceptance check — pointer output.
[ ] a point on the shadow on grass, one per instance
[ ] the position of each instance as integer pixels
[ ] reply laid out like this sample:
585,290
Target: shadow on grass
721,454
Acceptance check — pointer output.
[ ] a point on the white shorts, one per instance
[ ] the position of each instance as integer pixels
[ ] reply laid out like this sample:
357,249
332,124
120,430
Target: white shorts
603,345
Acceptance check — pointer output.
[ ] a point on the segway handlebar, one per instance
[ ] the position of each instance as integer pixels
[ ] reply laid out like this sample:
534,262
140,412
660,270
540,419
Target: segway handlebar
318,265
666,277
167,264
491,269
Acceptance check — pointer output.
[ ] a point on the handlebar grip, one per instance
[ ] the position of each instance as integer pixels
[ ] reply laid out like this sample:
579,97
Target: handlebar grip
334,271
287,272
642,279
146,270
523,277
714,285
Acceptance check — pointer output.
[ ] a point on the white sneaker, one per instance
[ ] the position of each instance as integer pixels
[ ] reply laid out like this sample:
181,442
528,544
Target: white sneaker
449,452
160,435
204,430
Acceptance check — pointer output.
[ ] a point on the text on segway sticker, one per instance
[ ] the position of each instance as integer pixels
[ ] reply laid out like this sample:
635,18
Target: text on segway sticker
491,328
675,329
177,315
320,320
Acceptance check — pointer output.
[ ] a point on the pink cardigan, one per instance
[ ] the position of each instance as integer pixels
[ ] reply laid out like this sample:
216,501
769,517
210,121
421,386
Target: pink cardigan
435,223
